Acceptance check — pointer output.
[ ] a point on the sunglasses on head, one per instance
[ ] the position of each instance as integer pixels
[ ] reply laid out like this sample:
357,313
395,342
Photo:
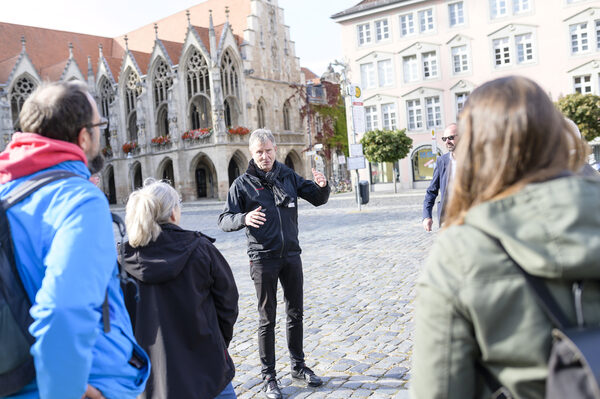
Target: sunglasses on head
448,138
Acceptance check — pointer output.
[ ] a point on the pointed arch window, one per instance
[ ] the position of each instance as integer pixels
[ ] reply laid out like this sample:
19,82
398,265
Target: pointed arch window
161,85
107,96
287,121
18,94
197,78
229,76
200,112
133,89
260,113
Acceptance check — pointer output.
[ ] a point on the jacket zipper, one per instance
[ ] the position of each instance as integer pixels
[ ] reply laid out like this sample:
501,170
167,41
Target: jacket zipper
281,231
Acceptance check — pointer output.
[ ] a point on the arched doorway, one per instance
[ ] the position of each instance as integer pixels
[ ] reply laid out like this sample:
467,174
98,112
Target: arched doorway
137,176
423,162
236,166
165,171
109,185
206,176
289,163
293,161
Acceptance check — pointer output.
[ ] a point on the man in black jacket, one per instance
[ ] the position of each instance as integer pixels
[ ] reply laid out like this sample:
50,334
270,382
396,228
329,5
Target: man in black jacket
264,200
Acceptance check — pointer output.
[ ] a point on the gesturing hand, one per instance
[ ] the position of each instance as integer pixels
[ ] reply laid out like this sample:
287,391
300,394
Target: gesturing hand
319,178
255,218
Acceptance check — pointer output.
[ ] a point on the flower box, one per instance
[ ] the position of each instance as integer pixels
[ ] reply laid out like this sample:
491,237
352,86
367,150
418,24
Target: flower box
129,147
239,130
197,134
160,140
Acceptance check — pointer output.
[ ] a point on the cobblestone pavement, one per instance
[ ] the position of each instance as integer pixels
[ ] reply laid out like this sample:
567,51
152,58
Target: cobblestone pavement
359,277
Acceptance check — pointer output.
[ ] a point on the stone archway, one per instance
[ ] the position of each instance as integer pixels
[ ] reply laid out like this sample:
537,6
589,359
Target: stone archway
237,166
205,177
165,171
293,161
136,176
110,189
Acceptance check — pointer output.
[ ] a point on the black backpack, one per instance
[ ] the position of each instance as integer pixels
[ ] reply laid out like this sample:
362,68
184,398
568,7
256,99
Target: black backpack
574,364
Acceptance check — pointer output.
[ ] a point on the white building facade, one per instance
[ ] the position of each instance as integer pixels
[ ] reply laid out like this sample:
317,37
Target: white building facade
417,61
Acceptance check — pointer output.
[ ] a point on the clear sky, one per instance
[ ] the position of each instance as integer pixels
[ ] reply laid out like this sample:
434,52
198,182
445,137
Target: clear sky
317,37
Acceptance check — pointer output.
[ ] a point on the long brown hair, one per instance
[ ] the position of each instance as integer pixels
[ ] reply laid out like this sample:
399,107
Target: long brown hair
510,134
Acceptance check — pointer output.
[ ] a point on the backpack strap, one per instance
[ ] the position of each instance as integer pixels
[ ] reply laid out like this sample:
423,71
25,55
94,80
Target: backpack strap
26,188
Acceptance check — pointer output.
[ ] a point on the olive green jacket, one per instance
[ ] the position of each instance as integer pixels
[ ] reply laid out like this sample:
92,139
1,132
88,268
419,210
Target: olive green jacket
474,305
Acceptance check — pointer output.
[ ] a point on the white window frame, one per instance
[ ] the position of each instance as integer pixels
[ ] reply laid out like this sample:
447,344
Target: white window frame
363,32
460,99
461,59
413,68
429,65
518,6
580,86
583,30
498,8
385,76
419,53
407,27
371,118
368,79
382,29
389,116
426,20
505,44
456,14
421,113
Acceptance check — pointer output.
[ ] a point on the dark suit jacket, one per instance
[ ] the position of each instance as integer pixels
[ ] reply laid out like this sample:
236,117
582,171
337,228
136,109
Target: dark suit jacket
438,184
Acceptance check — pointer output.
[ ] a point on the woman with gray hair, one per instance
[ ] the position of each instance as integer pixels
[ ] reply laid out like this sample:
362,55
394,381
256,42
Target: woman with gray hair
188,298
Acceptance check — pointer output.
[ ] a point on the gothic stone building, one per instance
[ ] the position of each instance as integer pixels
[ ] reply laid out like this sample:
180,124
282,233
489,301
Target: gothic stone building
176,93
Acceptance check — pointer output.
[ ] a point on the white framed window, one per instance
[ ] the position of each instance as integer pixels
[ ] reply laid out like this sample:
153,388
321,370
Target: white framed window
460,59
407,24
524,45
597,24
410,68
579,38
385,71
433,110
414,114
367,75
501,51
582,84
364,34
456,14
371,118
498,8
429,61
425,20
460,100
388,116
382,30
521,6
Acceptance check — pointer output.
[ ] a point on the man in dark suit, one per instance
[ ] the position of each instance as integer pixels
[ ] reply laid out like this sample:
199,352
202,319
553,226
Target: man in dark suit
441,178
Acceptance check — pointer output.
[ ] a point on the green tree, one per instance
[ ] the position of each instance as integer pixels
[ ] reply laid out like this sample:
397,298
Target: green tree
584,110
386,146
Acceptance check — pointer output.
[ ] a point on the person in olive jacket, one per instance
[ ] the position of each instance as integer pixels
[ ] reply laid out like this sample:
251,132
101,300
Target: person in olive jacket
516,192
188,300
264,200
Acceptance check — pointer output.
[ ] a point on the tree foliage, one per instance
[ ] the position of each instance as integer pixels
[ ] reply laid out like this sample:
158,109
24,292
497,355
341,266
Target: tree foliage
584,110
386,145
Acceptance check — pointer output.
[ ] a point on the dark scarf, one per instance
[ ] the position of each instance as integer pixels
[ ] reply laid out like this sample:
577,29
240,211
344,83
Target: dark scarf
270,180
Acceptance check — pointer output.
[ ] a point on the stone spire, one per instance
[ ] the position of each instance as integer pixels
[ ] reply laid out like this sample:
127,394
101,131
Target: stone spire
156,30
70,50
23,44
187,14
212,38
100,53
126,44
90,68
227,13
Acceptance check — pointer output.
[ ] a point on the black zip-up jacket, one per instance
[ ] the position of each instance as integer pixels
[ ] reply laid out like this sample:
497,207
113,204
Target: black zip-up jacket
186,312
278,236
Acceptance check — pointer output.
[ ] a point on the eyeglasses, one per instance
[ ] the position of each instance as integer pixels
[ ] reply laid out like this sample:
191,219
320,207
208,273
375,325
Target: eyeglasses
448,138
102,124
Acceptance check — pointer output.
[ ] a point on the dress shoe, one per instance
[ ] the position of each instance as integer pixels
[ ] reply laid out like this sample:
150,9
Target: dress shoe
307,375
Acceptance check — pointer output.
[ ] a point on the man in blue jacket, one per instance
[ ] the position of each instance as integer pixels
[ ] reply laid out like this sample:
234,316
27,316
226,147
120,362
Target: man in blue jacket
442,175
264,200
65,253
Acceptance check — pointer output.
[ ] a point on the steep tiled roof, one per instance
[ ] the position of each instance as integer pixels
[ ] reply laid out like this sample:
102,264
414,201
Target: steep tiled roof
54,72
6,67
47,48
308,74
365,5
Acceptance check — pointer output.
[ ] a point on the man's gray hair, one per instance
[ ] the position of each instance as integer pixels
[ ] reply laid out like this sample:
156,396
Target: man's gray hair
261,136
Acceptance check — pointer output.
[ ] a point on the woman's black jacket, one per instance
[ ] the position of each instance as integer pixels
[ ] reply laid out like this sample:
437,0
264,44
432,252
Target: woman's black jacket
186,312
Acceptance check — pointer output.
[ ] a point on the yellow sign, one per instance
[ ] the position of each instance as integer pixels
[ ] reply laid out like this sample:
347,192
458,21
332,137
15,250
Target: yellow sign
357,92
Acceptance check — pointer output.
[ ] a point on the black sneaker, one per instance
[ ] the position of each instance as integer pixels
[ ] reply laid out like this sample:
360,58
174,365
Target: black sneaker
307,375
271,389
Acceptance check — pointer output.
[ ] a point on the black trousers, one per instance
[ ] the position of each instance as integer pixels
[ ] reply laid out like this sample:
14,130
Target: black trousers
265,273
